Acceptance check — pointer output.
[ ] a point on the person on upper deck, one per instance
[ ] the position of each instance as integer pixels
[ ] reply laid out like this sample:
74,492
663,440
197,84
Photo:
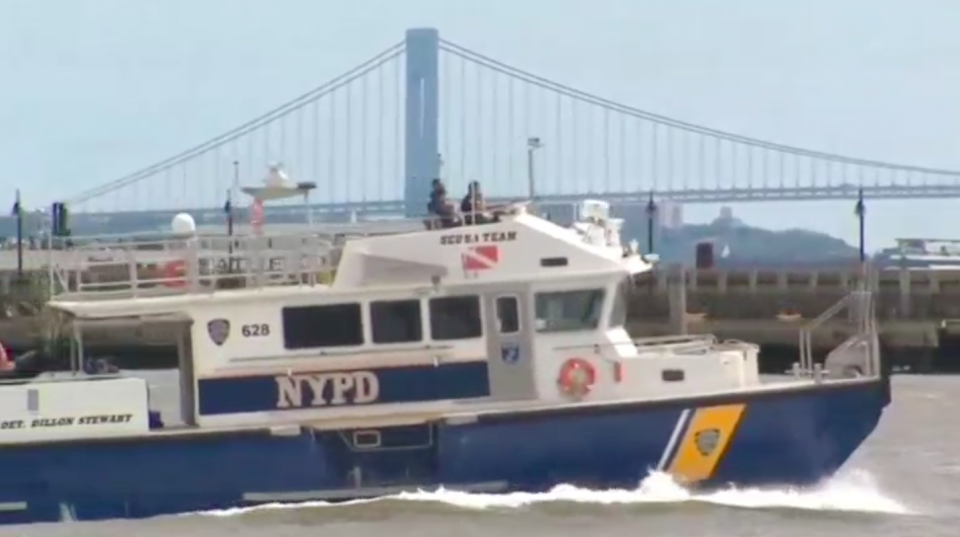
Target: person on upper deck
440,206
475,208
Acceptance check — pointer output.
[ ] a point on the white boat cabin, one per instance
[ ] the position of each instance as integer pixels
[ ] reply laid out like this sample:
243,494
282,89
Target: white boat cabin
512,314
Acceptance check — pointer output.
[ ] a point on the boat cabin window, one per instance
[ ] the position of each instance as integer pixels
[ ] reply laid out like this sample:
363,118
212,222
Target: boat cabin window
332,325
396,321
455,317
508,314
569,311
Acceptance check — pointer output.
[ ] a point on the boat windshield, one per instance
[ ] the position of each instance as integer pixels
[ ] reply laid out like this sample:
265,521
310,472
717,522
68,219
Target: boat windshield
569,311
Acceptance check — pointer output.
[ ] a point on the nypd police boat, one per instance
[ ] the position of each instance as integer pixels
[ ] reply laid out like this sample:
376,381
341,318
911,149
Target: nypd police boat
487,358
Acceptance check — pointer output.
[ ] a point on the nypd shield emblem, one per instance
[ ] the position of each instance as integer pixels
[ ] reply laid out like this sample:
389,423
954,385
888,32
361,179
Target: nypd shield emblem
219,330
707,441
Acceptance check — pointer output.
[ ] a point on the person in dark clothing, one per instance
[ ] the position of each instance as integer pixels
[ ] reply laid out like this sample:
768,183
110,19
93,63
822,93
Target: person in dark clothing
474,207
434,195
440,206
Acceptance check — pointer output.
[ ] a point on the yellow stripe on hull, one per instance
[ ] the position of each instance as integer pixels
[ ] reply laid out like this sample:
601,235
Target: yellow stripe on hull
705,441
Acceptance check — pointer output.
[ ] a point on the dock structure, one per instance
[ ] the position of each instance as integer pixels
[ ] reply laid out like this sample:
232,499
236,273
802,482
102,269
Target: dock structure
919,310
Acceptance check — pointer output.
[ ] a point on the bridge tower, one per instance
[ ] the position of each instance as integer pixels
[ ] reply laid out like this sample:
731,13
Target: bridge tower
422,158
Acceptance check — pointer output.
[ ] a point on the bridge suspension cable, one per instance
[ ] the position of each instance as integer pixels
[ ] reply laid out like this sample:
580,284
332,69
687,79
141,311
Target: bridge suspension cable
489,63
319,92
349,133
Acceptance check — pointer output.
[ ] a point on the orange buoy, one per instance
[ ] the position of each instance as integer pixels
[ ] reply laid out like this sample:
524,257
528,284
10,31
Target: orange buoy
577,377
174,274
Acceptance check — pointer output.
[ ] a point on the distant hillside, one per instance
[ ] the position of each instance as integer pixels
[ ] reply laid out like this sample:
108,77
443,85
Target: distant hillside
743,245
756,246
737,244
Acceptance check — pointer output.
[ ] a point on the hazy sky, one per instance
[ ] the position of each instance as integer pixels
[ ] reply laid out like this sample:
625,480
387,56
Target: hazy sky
94,89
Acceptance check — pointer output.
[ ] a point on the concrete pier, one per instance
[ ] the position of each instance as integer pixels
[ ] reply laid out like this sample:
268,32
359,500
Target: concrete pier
918,310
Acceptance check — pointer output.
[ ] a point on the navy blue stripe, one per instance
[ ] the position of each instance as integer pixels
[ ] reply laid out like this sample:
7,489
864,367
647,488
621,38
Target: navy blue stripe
396,385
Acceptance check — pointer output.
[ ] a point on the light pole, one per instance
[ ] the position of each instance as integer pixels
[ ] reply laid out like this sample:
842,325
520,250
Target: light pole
228,206
861,211
18,214
533,143
651,219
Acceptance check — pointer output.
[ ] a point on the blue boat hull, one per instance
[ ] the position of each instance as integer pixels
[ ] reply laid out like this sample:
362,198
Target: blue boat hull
795,437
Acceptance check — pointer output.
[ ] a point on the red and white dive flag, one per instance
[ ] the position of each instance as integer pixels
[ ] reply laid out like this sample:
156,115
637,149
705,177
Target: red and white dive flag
481,258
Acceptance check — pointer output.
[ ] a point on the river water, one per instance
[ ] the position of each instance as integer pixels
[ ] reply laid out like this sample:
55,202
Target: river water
903,482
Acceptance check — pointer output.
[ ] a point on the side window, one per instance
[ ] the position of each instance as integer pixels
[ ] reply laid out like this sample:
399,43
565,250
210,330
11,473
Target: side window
569,311
508,314
396,321
455,317
334,325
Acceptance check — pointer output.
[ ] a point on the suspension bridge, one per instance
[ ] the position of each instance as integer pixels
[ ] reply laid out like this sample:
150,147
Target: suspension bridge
374,138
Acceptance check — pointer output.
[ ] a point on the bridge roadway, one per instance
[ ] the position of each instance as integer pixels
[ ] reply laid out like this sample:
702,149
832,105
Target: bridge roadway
375,209
919,312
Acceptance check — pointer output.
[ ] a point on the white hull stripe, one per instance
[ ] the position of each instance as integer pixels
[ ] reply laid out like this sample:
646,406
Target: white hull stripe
489,487
674,439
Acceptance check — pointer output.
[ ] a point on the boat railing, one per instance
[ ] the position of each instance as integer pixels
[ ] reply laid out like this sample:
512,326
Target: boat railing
674,344
171,265
161,264
807,330
861,311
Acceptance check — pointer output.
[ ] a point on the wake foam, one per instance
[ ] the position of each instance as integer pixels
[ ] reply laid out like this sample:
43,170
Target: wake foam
851,492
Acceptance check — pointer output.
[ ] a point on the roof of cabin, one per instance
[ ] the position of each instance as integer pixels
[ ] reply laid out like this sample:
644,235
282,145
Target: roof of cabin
515,249
156,305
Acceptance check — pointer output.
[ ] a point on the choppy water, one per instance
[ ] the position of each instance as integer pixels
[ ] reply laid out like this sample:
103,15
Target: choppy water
905,481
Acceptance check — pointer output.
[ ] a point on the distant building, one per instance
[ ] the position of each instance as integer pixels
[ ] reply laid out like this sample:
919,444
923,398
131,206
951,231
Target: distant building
726,217
670,215
921,253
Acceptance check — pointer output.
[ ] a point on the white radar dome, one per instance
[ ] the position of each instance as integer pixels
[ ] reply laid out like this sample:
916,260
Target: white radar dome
183,224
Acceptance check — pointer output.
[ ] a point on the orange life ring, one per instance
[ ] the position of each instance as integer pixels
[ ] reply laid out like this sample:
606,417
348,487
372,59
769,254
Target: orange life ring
577,377
174,274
